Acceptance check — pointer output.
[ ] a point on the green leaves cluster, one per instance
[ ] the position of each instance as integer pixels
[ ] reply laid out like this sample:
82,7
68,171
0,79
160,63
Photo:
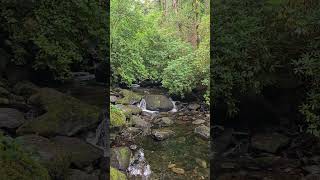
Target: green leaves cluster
52,35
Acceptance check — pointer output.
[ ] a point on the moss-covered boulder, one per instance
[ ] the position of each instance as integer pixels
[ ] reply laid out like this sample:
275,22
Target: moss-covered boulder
128,97
129,110
65,115
115,174
81,153
117,117
120,157
25,89
49,154
158,103
17,164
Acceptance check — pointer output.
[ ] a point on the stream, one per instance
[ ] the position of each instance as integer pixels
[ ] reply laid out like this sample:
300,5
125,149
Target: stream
185,155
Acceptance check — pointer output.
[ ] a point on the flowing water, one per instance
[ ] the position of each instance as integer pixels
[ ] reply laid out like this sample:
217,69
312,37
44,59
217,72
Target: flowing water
185,150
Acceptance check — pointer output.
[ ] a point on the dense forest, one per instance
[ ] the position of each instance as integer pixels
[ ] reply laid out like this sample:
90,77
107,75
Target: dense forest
161,41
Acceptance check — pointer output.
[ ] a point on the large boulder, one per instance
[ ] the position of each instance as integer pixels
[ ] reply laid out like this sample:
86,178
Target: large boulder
120,157
50,155
158,103
81,153
11,118
140,123
64,115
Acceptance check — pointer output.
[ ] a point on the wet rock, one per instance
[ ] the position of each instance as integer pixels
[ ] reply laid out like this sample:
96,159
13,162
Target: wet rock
269,142
11,118
158,103
50,154
193,106
203,131
81,153
25,89
140,123
76,174
64,115
120,157
198,121
115,174
163,122
113,99
129,97
162,134
177,170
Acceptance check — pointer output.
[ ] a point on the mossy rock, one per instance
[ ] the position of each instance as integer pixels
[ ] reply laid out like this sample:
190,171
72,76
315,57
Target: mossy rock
129,110
18,164
25,88
65,115
158,103
120,157
117,117
81,153
48,153
115,174
129,97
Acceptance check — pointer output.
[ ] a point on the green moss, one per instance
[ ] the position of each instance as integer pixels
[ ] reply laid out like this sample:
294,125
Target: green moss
129,97
17,164
116,174
65,115
117,117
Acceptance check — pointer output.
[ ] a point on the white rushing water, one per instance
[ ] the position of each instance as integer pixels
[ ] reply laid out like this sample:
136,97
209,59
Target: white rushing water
138,166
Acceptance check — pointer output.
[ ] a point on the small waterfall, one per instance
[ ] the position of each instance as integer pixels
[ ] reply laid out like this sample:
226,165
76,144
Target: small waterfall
143,106
138,166
174,109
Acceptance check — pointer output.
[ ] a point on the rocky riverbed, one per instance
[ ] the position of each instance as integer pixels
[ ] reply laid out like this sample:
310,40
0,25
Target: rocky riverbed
59,130
274,153
170,136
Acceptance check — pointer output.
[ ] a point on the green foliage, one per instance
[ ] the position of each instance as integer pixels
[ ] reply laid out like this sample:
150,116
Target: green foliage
146,44
17,164
52,35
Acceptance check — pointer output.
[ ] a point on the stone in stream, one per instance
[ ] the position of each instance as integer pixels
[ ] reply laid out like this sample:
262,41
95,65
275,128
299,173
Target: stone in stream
163,122
269,142
198,121
64,115
113,99
81,153
140,123
11,118
120,157
158,103
203,131
193,106
162,134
